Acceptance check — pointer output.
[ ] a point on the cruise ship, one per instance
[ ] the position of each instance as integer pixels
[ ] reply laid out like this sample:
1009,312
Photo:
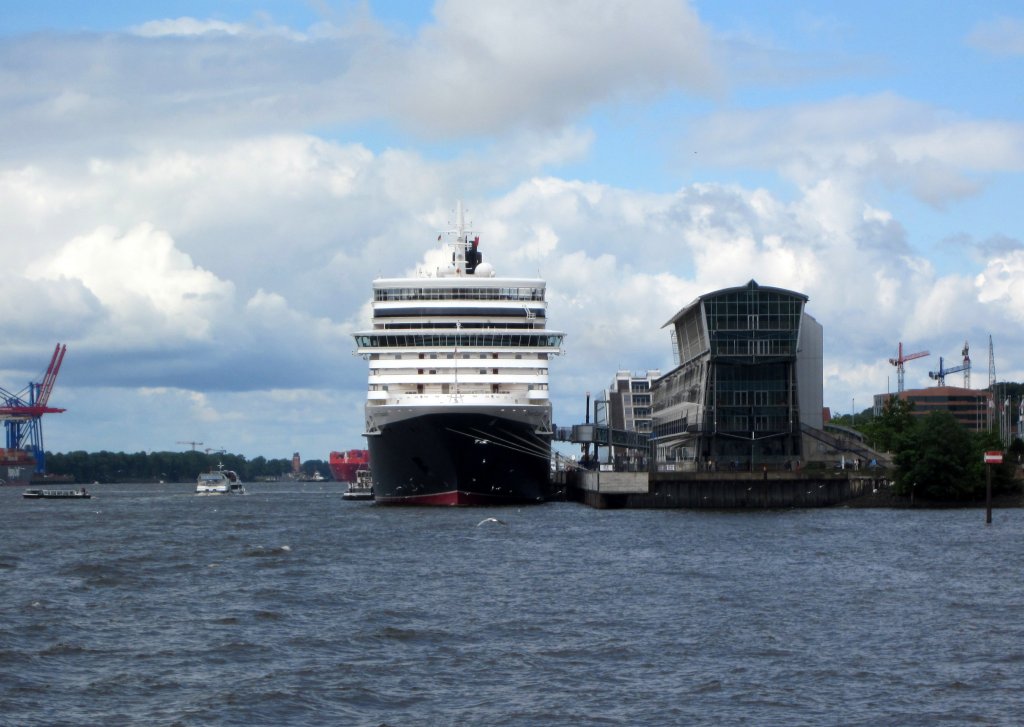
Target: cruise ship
458,410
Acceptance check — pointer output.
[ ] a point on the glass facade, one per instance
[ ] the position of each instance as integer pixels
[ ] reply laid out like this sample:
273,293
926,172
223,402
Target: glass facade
733,402
748,323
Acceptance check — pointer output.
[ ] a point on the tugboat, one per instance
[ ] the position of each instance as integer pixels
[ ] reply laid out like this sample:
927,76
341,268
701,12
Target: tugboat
361,489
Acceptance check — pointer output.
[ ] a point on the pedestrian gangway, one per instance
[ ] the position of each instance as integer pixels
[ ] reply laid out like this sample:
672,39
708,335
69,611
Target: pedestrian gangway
602,436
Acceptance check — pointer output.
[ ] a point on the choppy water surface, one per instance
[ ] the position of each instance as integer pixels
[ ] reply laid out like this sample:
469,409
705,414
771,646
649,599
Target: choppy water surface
150,605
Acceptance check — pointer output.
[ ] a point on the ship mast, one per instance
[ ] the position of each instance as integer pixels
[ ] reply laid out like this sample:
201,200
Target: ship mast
465,253
460,239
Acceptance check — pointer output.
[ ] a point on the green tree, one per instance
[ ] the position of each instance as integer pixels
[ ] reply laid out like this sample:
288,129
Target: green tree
1016,451
1002,474
938,460
896,420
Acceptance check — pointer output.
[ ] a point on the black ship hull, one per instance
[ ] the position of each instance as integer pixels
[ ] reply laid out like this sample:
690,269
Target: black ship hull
459,459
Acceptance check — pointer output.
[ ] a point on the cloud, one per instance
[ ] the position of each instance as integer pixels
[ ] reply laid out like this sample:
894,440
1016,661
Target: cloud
881,138
1002,36
139,312
276,239
999,284
618,263
32,305
198,207
148,288
480,68
543,63
185,26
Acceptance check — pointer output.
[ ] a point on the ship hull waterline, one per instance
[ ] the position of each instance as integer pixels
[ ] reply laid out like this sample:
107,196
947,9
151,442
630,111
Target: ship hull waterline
459,459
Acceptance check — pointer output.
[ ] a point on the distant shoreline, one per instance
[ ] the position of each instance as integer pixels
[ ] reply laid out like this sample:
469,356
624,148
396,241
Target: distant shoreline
887,499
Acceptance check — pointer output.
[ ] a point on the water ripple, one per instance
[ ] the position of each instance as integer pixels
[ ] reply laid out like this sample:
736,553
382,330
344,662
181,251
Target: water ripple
292,607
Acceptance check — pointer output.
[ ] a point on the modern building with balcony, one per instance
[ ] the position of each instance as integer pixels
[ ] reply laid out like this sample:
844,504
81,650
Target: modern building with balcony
747,387
628,402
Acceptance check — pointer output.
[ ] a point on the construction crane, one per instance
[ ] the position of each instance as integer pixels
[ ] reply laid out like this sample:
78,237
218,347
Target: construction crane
901,359
940,375
194,444
966,353
23,412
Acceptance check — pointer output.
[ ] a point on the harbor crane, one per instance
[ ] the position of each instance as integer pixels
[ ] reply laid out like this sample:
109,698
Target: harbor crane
940,375
902,358
23,412
194,444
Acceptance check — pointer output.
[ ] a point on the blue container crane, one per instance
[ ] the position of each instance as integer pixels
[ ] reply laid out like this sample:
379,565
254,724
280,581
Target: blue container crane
23,412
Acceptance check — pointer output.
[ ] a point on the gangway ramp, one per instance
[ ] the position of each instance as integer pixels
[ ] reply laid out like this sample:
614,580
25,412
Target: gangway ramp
602,436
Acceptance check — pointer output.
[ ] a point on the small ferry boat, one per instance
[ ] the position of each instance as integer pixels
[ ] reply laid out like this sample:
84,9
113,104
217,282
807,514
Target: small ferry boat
219,482
361,489
46,494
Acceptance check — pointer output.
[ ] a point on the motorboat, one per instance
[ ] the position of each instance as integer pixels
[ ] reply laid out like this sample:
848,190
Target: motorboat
219,482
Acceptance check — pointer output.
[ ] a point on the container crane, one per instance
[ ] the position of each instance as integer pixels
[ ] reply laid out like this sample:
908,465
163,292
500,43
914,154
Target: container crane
23,412
940,375
901,359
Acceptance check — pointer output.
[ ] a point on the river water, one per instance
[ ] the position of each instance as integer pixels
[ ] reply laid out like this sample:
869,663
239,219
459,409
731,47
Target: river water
150,605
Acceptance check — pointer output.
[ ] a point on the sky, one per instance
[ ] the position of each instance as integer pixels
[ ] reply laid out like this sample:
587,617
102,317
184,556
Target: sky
195,196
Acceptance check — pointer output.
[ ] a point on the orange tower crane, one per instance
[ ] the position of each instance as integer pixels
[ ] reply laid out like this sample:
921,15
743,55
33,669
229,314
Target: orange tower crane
902,358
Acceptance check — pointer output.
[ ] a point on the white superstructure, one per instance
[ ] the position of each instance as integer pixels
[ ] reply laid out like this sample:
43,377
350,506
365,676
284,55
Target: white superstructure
462,339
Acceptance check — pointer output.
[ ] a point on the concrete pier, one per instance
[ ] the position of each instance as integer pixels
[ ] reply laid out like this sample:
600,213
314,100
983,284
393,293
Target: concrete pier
719,490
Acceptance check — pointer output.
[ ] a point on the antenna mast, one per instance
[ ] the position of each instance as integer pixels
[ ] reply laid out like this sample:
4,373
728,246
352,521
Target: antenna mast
991,381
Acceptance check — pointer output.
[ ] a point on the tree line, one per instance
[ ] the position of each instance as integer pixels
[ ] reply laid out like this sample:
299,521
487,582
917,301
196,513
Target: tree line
934,456
170,466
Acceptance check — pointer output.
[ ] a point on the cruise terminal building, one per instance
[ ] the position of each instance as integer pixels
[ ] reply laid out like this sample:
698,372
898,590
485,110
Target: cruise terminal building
747,387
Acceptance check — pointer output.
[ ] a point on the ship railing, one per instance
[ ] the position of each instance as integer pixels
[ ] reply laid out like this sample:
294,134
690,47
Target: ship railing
463,396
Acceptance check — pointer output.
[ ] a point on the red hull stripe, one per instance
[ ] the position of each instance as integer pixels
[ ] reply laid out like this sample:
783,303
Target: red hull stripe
452,498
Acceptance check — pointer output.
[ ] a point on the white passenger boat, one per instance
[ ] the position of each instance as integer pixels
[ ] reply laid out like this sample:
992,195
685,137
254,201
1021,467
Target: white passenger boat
49,494
219,482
